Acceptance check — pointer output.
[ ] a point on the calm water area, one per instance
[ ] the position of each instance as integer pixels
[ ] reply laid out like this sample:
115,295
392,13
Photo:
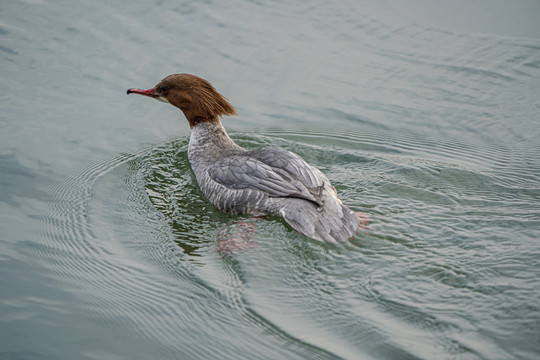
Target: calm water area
424,115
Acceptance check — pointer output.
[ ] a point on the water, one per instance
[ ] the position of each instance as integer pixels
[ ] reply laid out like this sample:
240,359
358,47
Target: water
423,116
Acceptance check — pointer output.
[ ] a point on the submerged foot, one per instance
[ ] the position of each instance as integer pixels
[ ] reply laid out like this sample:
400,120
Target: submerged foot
363,218
236,236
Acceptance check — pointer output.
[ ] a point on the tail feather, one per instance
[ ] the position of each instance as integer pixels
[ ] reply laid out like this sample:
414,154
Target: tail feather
333,223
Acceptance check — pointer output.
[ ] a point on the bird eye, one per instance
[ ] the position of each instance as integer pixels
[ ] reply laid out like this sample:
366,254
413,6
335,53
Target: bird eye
162,89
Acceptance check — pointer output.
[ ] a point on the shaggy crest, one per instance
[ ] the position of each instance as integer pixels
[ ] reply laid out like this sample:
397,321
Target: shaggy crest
196,97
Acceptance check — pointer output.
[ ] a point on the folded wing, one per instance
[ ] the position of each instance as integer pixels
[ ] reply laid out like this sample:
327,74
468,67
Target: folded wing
277,172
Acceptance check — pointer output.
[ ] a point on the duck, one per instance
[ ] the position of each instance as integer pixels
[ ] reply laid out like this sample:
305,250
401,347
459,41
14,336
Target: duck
259,182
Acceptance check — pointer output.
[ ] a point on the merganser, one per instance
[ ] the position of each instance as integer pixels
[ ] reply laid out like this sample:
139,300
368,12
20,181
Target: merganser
263,181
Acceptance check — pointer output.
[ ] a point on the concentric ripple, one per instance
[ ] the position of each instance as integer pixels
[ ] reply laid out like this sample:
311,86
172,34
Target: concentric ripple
135,240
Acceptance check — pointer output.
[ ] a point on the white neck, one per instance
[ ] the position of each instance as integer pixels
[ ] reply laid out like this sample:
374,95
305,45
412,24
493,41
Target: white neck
208,143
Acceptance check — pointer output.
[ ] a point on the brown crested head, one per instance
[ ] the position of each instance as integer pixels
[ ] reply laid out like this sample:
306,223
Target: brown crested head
196,97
